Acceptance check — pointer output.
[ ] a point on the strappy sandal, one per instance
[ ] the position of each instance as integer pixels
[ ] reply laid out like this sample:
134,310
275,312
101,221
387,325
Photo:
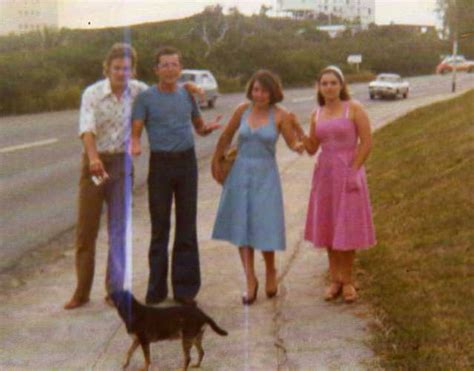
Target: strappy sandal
349,293
333,291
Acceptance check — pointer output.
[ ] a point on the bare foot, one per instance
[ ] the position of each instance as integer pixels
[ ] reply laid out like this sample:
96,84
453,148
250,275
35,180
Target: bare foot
108,301
75,303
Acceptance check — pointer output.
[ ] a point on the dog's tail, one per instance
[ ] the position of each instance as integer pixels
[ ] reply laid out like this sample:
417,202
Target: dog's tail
214,326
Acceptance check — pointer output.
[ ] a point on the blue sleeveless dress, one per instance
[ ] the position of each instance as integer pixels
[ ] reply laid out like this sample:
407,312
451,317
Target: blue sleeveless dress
251,205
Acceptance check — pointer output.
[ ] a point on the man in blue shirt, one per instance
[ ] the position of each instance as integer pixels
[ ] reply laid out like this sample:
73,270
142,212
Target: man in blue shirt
169,112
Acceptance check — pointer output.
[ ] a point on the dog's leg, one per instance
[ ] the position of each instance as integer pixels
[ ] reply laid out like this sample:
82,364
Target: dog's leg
132,349
146,353
198,345
187,345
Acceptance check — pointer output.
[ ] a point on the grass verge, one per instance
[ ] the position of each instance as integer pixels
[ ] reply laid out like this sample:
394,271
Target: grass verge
420,277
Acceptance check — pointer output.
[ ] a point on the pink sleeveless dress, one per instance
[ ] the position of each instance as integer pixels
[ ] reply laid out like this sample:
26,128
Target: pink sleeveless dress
338,216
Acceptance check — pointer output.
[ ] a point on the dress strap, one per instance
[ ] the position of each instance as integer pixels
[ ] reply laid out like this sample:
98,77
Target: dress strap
346,109
245,115
318,112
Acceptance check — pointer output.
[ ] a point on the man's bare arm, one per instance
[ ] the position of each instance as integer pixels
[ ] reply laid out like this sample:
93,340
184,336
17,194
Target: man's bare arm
137,128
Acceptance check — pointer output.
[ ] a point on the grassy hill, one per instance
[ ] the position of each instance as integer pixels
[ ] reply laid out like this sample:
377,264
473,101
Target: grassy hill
420,277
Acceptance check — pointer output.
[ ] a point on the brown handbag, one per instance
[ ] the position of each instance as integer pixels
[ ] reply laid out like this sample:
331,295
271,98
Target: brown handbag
226,161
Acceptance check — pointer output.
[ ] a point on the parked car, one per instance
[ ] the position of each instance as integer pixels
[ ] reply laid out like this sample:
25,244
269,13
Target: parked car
448,64
206,80
388,85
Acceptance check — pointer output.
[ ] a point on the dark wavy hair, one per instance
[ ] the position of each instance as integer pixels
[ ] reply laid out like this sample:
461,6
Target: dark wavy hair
344,94
167,50
269,82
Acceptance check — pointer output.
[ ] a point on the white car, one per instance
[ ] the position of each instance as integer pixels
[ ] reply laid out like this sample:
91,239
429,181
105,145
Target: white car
388,85
205,80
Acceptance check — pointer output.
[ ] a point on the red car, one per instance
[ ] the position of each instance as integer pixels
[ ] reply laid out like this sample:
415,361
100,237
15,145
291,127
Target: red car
461,64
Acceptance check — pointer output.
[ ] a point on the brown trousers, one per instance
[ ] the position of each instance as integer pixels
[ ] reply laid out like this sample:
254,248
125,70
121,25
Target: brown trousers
91,198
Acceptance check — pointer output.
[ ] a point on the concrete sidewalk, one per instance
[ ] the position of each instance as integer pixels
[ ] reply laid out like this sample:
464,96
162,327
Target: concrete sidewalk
297,330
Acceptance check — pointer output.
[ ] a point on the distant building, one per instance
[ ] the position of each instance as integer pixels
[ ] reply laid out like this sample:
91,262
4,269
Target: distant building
362,11
20,16
415,28
333,30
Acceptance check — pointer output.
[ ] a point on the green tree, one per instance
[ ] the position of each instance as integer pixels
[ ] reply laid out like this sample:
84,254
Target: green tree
457,15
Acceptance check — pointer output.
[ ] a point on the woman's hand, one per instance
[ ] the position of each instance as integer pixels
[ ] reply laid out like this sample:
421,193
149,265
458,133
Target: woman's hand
217,172
299,147
299,132
354,182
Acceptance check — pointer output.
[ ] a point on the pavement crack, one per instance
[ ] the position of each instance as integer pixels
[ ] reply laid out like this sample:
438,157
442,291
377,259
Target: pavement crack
278,316
106,347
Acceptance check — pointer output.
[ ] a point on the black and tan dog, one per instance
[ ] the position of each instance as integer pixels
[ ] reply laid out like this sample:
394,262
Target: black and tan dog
149,324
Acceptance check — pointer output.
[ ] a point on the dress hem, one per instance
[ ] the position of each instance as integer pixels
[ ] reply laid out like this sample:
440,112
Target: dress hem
238,244
340,248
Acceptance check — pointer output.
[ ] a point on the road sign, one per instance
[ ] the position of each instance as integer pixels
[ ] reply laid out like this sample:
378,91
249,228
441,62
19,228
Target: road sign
354,59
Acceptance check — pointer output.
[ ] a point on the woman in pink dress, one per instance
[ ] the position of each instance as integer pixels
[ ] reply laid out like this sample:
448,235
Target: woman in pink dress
339,212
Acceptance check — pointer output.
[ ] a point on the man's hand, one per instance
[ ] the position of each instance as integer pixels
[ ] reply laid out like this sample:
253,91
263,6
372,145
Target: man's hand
194,89
136,147
96,167
213,125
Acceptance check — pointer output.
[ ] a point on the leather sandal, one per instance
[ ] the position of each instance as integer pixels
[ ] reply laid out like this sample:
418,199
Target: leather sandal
349,293
333,291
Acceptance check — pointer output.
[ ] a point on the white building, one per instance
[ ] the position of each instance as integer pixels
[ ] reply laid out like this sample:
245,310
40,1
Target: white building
19,16
363,10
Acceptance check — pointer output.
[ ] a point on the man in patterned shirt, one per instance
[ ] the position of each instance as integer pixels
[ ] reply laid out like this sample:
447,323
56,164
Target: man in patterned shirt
104,127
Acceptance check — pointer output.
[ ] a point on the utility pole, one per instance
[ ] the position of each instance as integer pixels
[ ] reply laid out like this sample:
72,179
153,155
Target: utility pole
455,53
455,46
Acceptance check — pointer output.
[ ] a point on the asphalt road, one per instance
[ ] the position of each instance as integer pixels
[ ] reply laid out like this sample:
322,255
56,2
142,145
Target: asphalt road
40,154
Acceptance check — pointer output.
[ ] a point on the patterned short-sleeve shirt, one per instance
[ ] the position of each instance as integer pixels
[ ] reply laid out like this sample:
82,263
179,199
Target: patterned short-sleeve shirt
107,116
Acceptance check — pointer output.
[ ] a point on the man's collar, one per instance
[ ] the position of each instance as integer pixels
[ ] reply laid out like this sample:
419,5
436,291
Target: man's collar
107,88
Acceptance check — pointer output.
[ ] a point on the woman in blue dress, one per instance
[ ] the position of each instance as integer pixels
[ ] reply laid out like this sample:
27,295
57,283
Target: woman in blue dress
250,213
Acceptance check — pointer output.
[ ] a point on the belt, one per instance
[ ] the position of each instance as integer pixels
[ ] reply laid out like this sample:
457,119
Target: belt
172,155
111,154
106,155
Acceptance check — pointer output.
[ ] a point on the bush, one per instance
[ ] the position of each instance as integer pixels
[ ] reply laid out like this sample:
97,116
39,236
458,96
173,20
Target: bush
47,70
230,84
63,96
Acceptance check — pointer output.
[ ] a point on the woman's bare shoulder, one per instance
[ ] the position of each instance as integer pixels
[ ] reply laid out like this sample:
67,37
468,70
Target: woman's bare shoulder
355,105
